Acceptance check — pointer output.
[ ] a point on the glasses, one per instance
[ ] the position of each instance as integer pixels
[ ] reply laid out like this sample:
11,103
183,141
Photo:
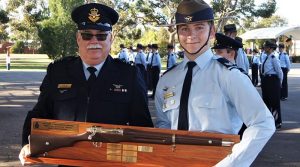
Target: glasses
88,36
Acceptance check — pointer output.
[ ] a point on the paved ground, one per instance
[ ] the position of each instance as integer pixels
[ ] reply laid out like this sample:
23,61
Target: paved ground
19,91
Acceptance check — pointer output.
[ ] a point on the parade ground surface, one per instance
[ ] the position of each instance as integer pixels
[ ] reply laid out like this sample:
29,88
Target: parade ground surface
19,91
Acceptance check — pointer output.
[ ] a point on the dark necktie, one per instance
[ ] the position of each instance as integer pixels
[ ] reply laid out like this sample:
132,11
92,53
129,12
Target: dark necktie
183,121
263,65
92,77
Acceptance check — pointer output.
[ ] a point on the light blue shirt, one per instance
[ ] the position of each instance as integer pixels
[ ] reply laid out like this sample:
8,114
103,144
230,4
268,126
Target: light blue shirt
87,73
148,57
272,66
155,60
220,101
284,60
242,60
255,59
123,55
171,60
140,58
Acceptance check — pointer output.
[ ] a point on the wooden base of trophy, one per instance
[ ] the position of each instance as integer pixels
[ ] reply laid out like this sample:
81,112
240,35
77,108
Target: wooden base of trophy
126,154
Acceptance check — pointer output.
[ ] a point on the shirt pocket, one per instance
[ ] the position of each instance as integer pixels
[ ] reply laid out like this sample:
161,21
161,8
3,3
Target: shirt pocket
209,101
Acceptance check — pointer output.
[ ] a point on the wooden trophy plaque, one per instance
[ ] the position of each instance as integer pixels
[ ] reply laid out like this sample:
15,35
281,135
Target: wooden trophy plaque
103,145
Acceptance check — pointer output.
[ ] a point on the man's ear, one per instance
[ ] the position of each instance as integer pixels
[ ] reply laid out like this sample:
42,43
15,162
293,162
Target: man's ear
212,31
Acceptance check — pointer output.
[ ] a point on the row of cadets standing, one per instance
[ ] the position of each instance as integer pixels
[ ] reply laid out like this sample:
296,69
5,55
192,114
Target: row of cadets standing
285,67
272,77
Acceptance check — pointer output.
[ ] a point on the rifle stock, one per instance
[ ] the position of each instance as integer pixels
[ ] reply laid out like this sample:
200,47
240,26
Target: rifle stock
43,143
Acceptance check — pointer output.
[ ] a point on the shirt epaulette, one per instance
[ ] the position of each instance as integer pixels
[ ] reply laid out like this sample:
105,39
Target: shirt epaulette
227,63
169,69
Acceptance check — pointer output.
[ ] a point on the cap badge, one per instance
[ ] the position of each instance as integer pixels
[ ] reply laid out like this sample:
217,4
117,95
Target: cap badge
94,16
188,18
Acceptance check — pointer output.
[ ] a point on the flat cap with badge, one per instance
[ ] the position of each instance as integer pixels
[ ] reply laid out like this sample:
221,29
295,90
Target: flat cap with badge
191,11
230,28
225,42
270,44
95,16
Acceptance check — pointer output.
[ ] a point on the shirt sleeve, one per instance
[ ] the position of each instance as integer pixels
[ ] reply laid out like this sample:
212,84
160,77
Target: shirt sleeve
288,63
277,67
256,116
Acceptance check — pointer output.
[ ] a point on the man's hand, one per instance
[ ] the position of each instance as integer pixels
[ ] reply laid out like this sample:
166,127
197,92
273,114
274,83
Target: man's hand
25,152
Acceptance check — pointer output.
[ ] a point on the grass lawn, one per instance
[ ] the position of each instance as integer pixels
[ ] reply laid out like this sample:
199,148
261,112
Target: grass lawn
25,61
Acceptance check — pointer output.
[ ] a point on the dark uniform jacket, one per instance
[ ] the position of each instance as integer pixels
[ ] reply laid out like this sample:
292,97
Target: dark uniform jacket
118,96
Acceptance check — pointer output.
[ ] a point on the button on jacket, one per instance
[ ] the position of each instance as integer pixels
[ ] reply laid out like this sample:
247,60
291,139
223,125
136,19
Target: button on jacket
220,101
118,95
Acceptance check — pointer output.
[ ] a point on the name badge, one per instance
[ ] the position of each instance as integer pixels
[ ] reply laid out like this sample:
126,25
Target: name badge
64,86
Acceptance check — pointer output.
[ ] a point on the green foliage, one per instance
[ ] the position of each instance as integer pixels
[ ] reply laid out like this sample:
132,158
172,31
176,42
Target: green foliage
58,33
18,47
238,10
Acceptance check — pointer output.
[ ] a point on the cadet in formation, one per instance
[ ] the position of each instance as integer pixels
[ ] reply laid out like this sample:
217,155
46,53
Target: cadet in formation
123,56
285,67
272,77
241,60
155,67
92,87
205,93
171,58
254,66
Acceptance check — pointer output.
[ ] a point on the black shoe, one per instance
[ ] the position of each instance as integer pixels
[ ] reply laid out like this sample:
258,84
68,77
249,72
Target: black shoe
278,126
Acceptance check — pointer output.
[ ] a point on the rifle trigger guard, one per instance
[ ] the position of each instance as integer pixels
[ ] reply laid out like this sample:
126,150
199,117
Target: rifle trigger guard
93,131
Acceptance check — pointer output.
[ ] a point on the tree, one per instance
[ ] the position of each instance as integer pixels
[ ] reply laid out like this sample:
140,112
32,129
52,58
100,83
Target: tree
3,20
241,10
58,33
25,16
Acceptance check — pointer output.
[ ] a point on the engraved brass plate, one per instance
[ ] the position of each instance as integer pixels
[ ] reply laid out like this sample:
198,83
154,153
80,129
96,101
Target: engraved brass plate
129,159
114,146
115,152
114,158
129,153
145,149
130,147
55,126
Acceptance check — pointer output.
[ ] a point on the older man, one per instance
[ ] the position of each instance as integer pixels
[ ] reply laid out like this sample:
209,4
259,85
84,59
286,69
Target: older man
92,87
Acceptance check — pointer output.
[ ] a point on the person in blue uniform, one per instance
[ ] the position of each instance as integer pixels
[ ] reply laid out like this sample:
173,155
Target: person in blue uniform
155,67
254,66
285,67
241,60
123,56
207,93
271,82
140,61
171,58
92,87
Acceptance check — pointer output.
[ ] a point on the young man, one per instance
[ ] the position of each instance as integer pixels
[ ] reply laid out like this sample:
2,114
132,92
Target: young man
171,59
206,93
285,67
93,87
140,61
241,59
271,82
